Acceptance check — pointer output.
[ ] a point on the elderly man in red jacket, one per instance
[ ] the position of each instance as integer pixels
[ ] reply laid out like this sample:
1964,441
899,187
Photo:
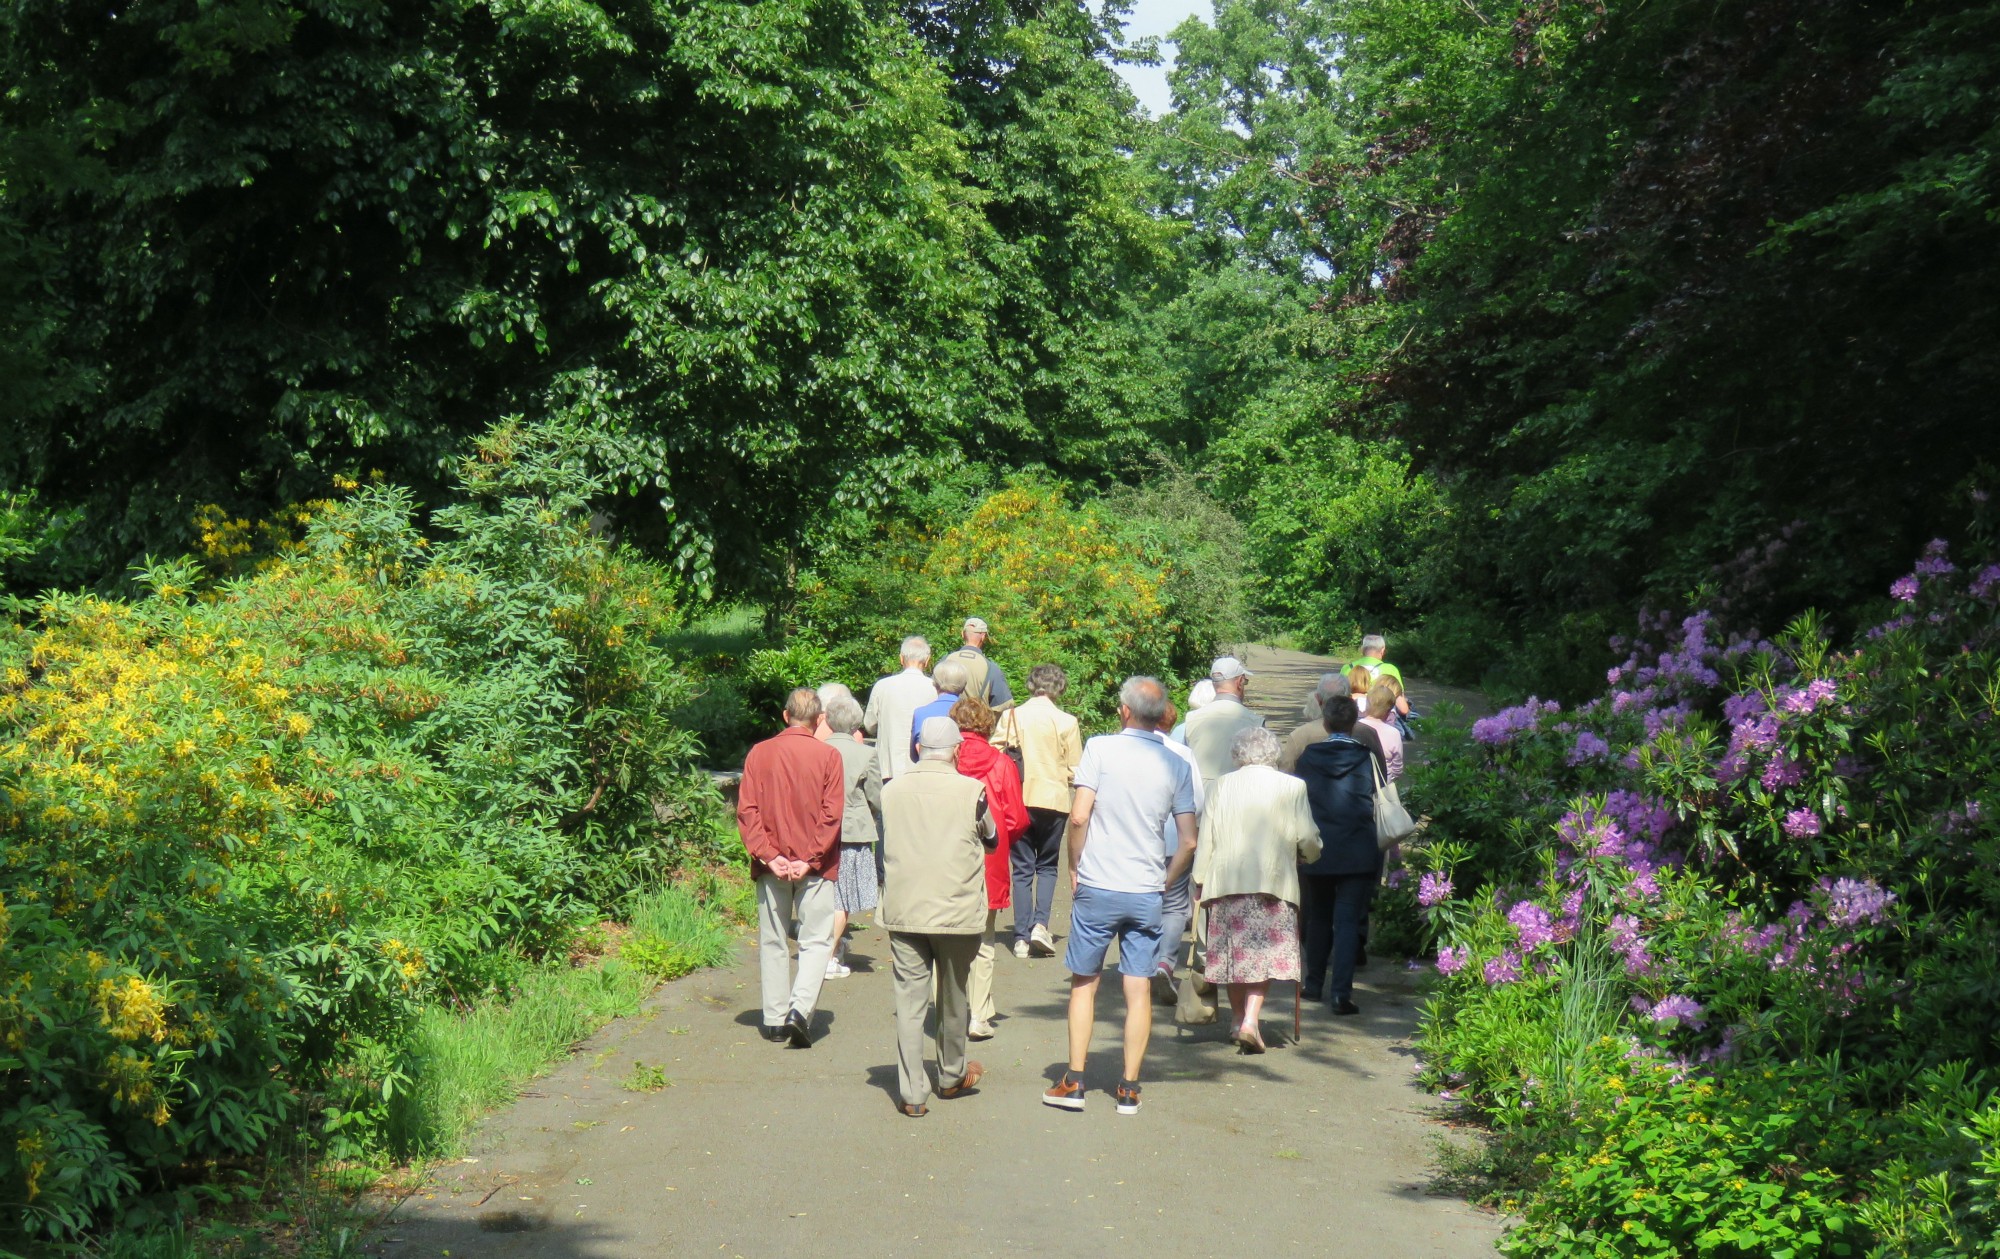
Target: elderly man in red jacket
789,810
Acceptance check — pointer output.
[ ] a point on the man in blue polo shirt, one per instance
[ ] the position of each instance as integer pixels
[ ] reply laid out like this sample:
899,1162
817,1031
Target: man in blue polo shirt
1129,788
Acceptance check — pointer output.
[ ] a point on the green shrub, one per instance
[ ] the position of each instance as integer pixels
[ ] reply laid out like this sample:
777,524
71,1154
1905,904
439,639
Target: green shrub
253,831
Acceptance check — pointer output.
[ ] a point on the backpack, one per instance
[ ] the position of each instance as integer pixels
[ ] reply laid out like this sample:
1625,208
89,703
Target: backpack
978,673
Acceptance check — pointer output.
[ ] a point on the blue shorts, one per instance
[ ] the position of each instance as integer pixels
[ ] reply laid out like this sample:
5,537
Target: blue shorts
1097,915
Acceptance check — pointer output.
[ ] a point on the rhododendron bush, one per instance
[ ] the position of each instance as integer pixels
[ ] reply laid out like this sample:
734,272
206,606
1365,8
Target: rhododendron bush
1740,912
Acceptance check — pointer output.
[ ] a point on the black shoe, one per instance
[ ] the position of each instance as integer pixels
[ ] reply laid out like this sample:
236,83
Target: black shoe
796,1029
772,1034
1309,992
1346,1007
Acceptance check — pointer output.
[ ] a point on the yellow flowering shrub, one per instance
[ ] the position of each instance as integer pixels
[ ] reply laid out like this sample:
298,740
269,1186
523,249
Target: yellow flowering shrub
251,828
1058,582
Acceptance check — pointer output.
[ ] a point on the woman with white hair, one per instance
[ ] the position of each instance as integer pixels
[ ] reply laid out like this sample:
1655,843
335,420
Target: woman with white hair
1257,828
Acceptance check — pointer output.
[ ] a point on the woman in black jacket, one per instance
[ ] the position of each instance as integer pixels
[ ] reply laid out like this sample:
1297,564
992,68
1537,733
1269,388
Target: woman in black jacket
1335,889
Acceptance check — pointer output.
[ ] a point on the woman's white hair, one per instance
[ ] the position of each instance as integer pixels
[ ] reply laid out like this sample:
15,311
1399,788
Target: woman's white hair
1255,746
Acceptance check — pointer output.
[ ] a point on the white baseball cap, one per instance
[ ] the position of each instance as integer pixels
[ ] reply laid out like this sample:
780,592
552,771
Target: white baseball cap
975,625
1227,668
939,732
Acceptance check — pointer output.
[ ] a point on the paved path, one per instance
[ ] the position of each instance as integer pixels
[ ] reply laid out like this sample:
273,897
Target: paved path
1317,1148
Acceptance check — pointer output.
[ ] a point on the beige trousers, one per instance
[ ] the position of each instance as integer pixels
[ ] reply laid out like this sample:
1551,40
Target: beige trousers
917,962
979,988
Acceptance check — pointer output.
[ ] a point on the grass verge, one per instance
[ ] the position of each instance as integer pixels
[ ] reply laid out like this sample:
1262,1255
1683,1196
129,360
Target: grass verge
465,1064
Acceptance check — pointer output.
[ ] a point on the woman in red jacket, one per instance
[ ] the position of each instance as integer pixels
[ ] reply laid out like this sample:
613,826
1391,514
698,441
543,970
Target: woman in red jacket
978,758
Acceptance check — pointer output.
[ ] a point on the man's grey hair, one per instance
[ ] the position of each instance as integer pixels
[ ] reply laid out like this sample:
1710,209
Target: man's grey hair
1331,684
1145,699
843,714
1373,643
949,677
937,754
1255,746
916,650
829,692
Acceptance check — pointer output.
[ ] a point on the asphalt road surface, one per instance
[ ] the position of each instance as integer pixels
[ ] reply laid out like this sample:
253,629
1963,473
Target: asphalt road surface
1320,1147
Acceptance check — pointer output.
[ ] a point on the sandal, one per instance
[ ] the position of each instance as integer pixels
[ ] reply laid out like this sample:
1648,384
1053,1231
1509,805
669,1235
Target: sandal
913,1111
1248,1041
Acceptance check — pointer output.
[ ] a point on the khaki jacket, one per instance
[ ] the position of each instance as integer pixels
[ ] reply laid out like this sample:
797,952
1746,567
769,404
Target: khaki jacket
861,775
1051,746
935,833
1256,830
1210,730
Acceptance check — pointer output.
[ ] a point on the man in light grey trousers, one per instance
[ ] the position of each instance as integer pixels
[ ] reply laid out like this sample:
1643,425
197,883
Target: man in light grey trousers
935,834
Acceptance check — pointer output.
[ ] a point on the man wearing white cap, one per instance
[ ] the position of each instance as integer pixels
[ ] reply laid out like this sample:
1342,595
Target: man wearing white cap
935,834
982,677
1213,727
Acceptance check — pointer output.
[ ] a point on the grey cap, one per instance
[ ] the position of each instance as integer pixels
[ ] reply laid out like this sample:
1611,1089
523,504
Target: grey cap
939,732
1227,668
975,625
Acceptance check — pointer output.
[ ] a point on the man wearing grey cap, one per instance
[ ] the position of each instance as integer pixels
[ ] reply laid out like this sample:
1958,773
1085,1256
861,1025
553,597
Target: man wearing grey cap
935,834
982,677
1213,727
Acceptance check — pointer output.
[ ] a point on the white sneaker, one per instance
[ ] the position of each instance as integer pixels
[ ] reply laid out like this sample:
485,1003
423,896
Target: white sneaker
835,969
1041,943
980,1031
1021,949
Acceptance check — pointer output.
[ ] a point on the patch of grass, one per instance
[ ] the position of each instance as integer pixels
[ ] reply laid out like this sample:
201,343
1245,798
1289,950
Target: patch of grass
673,934
463,1065
645,1078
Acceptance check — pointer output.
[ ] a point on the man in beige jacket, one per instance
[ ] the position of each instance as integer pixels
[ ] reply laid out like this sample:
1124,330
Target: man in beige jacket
1211,728
935,834
1050,744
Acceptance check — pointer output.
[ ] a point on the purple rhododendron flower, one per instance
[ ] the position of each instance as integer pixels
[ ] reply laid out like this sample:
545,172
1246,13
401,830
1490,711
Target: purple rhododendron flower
1934,563
1589,747
1986,582
1533,924
1631,945
1451,960
1433,889
1782,772
1904,589
1667,1009
1504,969
1815,693
1853,902
1803,824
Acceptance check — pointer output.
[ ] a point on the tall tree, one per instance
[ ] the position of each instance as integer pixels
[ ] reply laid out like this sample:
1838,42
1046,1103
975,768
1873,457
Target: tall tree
282,238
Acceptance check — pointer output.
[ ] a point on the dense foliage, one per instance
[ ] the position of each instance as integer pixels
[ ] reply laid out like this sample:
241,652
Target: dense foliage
1631,301
253,830
249,246
1717,948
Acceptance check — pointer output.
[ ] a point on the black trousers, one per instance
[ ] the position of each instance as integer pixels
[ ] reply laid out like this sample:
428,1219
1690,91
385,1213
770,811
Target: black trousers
1333,908
1036,861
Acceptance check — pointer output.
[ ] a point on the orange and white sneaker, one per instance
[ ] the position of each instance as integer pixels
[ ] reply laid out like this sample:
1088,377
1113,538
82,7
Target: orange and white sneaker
1127,1097
1066,1095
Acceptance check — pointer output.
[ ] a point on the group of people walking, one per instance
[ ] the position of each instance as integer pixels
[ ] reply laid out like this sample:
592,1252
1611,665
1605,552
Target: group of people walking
966,801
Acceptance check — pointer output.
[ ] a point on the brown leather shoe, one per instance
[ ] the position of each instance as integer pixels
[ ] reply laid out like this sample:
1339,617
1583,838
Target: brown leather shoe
974,1073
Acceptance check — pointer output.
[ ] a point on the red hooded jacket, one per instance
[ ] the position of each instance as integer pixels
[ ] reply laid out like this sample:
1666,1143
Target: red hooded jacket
979,759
